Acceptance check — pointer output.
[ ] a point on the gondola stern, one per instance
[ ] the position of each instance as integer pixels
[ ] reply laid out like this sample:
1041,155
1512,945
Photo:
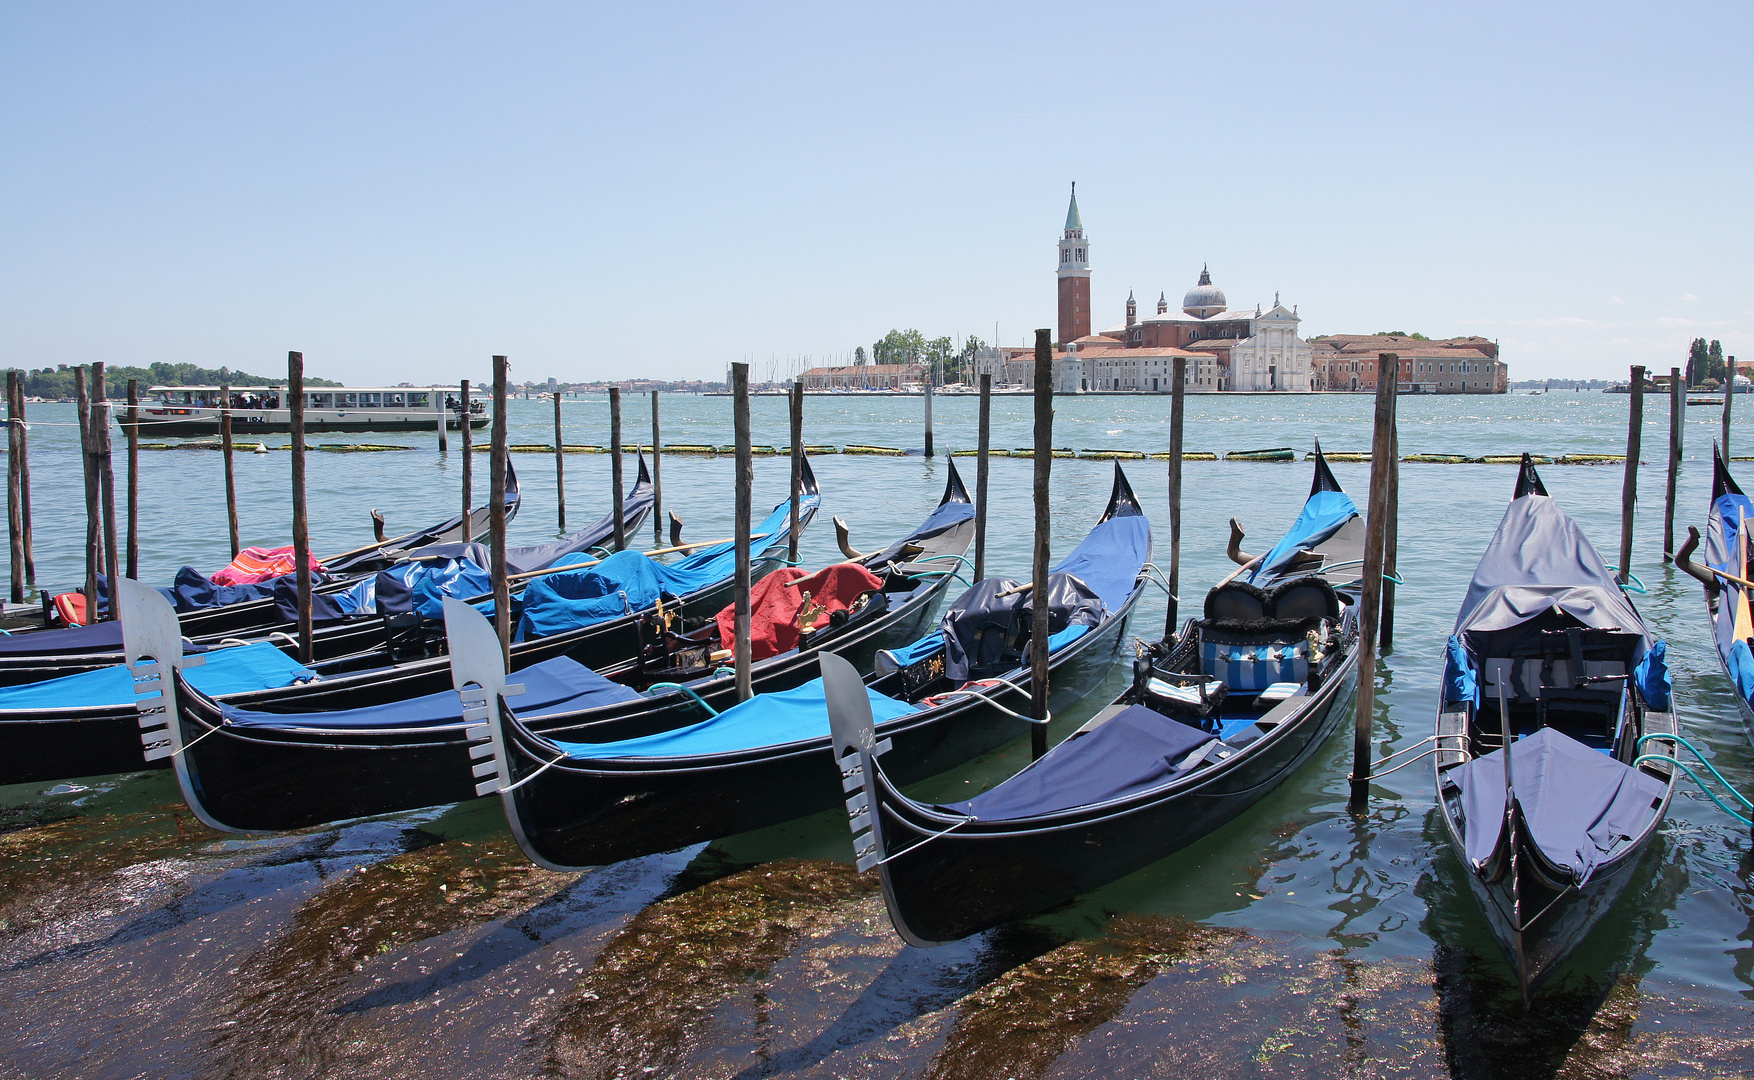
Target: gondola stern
1121,500
807,483
1722,483
643,476
1528,481
954,489
1324,476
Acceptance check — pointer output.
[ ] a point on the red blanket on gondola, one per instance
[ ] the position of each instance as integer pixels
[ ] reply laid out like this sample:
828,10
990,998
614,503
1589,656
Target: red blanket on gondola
259,564
776,600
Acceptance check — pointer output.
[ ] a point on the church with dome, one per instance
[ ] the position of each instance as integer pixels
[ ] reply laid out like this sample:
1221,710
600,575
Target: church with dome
1226,349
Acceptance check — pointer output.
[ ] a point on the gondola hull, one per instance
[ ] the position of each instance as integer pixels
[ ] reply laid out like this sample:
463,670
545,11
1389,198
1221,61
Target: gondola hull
268,780
982,875
37,748
590,813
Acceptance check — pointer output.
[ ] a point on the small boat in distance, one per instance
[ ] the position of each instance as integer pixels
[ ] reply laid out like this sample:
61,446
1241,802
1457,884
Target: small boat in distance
258,410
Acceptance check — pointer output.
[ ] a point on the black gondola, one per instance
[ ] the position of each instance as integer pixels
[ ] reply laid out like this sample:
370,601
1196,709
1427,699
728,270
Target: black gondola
1725,577
1549,654
51,653
257,770
587,793
1213,721
82,722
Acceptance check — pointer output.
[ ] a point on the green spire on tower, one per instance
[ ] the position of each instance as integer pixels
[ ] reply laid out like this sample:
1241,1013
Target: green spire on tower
1073,221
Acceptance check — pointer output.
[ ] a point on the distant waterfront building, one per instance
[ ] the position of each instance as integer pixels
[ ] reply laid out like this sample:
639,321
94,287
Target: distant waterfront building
1462,365
864,377
1225,350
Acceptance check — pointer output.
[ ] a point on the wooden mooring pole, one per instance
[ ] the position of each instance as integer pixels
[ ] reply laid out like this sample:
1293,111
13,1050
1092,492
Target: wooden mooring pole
106,477
502,593
93,517
1629,486
657,479
559,463
14,501
1729,396
928,414
1178,388
466,435
301,531
982,453
231,476
30,567
134,479
1391,530
1677,422
615,497
1044,456
744,480
1369,607
797,418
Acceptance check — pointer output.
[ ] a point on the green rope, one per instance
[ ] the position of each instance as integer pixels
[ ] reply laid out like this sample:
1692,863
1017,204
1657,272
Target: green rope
710,711
1683,741
1642,758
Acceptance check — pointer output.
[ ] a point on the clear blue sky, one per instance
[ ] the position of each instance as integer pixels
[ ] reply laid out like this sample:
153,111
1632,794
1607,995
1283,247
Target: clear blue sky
646,190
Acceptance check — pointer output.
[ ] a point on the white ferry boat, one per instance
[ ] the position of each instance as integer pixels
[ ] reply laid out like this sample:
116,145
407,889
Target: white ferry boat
194,410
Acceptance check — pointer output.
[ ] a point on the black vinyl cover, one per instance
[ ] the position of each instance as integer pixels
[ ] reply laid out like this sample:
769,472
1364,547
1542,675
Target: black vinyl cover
983,629
1539,560
1136,750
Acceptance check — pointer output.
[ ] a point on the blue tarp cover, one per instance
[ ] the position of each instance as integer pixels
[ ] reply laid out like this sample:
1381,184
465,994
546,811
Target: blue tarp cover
227,671
1742,669
764,720
1459,684
1580,804
1323,514
1135,751
1651,676
558,685
417,586
569,599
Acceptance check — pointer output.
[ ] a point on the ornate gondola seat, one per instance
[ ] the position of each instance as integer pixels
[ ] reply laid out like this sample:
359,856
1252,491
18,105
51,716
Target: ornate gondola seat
1251,639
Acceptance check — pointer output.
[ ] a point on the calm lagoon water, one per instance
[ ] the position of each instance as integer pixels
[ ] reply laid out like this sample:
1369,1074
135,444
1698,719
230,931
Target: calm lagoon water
1299,940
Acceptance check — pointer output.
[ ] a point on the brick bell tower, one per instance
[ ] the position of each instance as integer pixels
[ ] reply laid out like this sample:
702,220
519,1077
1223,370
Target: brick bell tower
1074,274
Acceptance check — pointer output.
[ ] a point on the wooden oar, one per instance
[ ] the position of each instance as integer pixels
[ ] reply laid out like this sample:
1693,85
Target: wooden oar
1744,624
655,551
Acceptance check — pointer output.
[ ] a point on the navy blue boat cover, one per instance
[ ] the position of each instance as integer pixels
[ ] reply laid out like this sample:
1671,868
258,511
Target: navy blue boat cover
227,671
98,637
558,685
1579,803
787,716
1539,560
630,581
1108,561
1136,750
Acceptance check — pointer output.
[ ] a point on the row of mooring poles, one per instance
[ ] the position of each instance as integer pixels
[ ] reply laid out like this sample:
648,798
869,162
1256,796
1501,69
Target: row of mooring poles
1379,524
